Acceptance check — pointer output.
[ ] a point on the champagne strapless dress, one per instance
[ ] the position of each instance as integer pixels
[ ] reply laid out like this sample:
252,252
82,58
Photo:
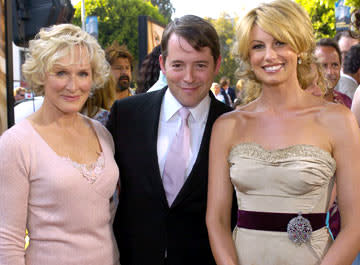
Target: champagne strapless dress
295,179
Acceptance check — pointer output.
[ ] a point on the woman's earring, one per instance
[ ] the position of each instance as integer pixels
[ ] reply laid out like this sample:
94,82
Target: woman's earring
299,61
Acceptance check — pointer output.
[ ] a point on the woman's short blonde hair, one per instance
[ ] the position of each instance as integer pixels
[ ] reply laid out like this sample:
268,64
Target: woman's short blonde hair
55,42
287,22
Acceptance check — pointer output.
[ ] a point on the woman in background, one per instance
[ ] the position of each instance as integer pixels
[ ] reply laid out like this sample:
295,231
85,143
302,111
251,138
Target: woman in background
98,104
149,71
57,171
280,153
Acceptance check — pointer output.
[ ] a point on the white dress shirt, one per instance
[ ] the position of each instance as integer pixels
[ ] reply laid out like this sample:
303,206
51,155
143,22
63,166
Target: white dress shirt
160,83
169,124
346,85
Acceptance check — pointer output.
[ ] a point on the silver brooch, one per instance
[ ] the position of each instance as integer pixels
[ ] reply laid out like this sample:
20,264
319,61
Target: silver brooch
299,230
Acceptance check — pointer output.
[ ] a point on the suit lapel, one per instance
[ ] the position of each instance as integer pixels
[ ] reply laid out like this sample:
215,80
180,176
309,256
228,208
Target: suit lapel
151,125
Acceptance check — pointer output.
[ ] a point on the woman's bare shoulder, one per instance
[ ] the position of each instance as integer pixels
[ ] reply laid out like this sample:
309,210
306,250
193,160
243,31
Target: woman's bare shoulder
332,112
338,120
236,117
231,123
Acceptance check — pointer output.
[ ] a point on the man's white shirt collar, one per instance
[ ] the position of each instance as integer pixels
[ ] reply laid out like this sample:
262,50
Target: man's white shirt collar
171,105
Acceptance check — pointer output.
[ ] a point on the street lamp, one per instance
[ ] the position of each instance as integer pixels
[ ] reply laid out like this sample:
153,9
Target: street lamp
83,14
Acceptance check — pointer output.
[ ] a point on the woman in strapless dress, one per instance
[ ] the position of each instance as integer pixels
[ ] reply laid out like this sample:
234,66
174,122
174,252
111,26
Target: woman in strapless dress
282,153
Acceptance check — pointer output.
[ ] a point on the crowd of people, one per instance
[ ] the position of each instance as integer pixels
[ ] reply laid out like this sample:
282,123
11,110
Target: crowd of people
185,170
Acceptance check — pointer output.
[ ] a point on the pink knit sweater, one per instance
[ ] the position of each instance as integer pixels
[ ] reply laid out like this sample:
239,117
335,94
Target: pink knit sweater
68,218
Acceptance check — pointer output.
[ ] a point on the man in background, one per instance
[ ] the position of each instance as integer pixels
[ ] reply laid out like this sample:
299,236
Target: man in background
345,42
121,62
351,70
328,54
19,94
346,84
227,91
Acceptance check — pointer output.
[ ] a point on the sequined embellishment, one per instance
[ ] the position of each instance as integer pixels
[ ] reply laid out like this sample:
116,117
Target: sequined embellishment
256,151
92,171
300,150
299,230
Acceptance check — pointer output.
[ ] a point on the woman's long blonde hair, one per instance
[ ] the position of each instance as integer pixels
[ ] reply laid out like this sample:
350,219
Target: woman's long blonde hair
102,98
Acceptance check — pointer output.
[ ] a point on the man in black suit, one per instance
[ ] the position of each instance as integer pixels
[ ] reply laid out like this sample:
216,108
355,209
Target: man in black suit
227,91
151,228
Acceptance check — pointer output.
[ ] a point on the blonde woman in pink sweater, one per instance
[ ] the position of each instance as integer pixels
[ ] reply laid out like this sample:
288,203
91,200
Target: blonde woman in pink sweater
57,171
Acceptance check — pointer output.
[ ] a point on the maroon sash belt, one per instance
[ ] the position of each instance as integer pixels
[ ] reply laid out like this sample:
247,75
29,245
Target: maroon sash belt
268,221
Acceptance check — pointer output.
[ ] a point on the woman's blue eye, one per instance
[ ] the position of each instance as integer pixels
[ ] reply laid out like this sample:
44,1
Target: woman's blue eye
85,74
258,46
60,73
280,43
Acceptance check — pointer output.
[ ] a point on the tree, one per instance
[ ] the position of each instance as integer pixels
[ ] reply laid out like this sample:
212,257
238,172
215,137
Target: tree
225,27
322,14
118,20
355,4
165,7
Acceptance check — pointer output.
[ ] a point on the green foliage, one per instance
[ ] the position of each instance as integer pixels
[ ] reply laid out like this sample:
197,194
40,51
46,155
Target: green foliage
355,4
165,8
225,27
118,20
322,14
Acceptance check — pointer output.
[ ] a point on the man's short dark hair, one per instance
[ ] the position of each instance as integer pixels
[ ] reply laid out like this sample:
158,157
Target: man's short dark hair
198,32
224,81
352,60
328,42
115,51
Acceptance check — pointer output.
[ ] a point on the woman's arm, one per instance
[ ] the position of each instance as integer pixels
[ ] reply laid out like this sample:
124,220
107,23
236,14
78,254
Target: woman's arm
345,137
220,191
14,192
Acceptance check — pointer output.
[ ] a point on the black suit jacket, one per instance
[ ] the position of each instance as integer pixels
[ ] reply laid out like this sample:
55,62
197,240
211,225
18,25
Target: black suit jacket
145,227
231,93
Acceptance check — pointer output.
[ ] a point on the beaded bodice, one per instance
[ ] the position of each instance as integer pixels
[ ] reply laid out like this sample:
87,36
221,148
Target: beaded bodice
256,151
292,179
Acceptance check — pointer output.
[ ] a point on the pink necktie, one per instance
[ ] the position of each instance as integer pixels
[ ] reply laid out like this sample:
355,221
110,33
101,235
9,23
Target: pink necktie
177,158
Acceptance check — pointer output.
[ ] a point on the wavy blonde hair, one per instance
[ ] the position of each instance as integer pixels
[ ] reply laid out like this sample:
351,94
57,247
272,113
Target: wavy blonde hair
55,42
287,22
102,98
